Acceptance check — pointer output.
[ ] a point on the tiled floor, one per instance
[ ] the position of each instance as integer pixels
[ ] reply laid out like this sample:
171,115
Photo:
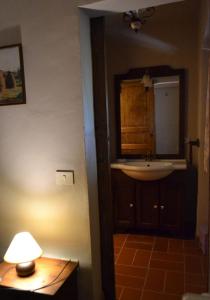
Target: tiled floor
155,268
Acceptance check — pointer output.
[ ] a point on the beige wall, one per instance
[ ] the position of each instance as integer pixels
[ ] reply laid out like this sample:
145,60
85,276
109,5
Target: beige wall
47,134
168,38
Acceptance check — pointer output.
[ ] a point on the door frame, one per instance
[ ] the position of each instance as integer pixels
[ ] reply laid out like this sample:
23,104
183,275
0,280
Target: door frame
100,103
103,162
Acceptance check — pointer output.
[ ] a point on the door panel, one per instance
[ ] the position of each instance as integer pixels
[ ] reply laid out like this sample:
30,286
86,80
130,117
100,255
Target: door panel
147,204
123,192
124,206
171,194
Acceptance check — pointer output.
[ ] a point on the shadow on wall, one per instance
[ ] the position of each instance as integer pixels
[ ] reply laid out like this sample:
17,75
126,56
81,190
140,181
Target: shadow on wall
10,36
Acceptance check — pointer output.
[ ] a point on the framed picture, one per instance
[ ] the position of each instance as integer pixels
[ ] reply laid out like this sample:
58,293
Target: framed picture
12,85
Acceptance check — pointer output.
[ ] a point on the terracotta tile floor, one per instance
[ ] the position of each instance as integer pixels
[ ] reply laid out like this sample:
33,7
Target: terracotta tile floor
156,268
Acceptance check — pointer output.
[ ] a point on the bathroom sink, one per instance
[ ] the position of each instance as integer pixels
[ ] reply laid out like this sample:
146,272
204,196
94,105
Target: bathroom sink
147,170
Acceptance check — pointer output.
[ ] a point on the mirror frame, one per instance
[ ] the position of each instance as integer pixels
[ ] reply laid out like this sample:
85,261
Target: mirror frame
156,71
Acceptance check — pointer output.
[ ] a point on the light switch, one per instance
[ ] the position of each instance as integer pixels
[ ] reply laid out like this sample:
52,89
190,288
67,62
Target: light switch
64,177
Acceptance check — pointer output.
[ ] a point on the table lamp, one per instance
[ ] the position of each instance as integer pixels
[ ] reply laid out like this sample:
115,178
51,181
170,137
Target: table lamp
22,251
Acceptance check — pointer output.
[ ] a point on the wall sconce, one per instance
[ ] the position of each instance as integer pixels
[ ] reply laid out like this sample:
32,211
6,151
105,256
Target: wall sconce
136,19
147,81
22,251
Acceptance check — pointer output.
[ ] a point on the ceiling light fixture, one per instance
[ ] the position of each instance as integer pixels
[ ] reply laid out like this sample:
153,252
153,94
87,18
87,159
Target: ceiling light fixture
136,19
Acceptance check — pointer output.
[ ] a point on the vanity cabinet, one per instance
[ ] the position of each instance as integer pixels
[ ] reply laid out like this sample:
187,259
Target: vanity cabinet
166,206
123,192
159,205
147,204
172,198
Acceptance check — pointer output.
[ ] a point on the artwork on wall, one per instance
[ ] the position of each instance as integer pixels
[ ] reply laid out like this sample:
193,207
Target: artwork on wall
12,86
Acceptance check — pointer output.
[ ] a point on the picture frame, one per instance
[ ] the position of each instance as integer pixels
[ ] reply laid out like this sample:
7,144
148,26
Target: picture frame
12,83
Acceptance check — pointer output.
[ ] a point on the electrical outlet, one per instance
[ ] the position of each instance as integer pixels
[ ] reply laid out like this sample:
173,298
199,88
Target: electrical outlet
64,177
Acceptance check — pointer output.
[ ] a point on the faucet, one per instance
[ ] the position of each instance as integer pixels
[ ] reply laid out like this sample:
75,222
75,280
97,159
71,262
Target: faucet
149,156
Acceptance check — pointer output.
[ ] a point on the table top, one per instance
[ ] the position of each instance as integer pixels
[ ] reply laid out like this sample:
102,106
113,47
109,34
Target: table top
49,275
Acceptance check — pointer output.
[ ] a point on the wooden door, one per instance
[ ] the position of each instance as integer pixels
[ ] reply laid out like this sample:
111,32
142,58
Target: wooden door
137,118
124,196
147,205
171,200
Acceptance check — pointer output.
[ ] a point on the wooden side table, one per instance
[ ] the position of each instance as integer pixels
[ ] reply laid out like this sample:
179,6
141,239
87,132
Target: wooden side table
53,278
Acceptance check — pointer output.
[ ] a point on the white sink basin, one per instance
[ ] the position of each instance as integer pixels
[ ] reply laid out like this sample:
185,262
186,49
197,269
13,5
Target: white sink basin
147,170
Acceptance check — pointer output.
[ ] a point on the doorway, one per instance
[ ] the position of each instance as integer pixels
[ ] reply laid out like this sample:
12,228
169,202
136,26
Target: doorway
102,132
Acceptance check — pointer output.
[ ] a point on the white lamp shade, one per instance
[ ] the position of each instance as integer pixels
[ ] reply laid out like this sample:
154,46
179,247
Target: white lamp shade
23,248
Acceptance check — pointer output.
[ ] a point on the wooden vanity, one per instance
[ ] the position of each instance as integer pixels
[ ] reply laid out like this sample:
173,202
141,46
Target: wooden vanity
154,116
164,207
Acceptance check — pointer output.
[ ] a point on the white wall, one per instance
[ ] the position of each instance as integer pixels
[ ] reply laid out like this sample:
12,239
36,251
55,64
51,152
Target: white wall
46,134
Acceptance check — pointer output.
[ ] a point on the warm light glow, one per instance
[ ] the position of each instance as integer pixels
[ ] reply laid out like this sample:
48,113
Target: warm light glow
23,248
147,81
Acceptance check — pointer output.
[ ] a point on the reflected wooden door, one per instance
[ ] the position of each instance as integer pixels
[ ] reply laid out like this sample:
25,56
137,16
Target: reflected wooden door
137,118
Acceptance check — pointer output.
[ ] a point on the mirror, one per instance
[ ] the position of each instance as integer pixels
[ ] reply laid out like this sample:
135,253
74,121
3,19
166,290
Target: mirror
150,112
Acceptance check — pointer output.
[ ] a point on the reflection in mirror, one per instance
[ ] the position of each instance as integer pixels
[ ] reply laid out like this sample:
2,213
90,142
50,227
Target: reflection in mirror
137,118
166,121
150,116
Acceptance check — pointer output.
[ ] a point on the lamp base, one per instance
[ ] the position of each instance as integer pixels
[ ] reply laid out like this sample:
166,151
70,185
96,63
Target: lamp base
25,269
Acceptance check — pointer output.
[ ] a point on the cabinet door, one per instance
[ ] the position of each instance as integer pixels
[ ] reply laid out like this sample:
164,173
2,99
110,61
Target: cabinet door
147,204
123,192
171,199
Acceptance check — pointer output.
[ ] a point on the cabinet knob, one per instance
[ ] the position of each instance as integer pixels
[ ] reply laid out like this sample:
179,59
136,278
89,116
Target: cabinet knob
131,204
162,207
155,206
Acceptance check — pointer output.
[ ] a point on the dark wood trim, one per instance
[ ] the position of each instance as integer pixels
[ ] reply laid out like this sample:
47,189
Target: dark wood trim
156,71
103,161
23,100
182,113
208,238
